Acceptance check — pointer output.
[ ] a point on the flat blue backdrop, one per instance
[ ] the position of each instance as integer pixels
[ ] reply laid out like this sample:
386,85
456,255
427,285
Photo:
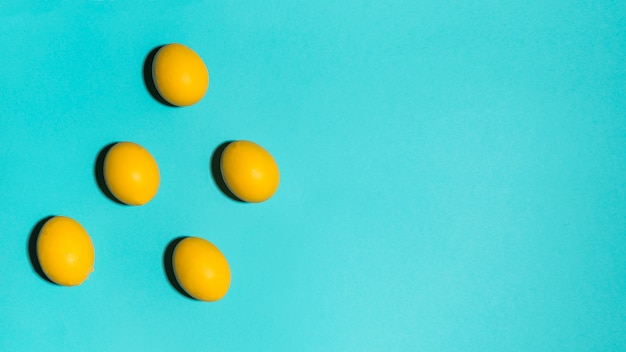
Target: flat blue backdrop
453,174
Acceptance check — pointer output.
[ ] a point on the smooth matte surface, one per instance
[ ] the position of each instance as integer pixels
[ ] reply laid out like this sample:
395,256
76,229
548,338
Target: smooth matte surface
453,174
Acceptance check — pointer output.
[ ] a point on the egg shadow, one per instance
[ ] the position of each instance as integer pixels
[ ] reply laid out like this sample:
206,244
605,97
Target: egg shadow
216,172
168,267
148,77
99,174
32,249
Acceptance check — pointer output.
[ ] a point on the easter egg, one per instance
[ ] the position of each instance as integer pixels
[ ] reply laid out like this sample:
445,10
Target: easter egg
130,173
249,171
65,251
179,74
201,269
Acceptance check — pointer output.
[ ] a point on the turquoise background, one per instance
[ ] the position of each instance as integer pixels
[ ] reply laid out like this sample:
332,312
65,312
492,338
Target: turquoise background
453,174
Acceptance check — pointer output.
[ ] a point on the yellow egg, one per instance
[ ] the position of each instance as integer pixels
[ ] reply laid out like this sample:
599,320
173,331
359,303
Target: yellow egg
65,251
201,269
131,173
249,171
180,76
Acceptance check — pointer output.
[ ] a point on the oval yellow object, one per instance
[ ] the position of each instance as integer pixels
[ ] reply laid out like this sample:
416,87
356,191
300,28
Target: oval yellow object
65,251
131,173
179,74
249,171
201,269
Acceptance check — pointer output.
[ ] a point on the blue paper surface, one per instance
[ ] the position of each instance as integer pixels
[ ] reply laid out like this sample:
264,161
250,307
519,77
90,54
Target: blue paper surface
453,174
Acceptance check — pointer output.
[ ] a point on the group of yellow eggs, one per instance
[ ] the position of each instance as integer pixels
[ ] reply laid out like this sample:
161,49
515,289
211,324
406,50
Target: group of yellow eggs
64,250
